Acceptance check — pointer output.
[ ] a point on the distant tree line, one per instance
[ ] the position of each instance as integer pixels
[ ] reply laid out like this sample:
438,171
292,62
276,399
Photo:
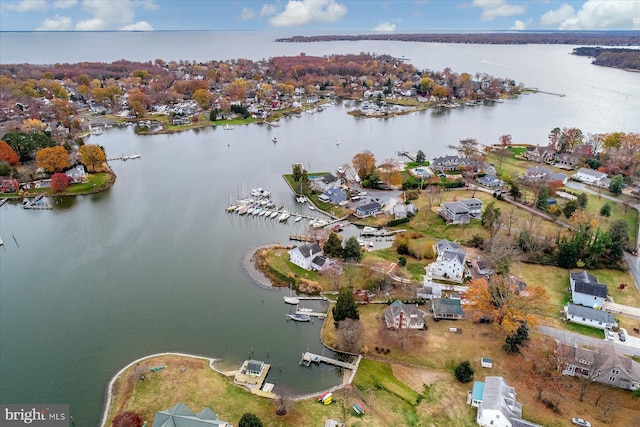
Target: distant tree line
628,59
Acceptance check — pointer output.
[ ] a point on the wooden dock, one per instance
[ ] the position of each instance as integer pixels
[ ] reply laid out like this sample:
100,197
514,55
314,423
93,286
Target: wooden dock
312,314
304,238
308,358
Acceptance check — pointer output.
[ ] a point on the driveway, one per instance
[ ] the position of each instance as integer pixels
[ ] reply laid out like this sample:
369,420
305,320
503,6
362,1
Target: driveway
612,307
630,347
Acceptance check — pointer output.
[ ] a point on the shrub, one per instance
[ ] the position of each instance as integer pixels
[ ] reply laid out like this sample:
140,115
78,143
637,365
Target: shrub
464,372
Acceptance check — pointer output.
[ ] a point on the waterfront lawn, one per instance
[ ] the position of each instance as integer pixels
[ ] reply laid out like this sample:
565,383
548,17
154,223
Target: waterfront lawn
98,182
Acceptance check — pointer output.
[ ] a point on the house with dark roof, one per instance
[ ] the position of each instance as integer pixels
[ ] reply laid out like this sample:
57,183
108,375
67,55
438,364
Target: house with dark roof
450,259
368,209
462,211
308,256
589,316
604,364
181,416
490,181
447,163
325,182
446,308
497,405
403,316
585,290
543,174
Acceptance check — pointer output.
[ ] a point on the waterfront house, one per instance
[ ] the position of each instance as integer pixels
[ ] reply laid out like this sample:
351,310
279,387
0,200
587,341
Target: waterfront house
308,256
543,174
497,405
589,176
540,154
400,210
589,316
566,160
325,182
447,163
585,289
403,316
9,185
447,308
333,195
181,416
368,209
450,259
604,364
77,174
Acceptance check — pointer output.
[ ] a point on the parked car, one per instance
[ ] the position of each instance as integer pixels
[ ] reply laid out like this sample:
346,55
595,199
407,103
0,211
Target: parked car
580,422
622,336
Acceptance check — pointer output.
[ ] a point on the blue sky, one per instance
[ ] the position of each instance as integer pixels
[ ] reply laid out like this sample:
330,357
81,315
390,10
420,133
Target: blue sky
320,16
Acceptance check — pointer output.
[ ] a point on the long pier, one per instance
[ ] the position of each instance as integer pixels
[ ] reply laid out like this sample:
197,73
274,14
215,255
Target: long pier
308,358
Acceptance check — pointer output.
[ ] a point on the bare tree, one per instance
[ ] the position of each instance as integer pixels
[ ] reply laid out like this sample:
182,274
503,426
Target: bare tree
502,252
467,147
434,193
510,219
585,364
350,335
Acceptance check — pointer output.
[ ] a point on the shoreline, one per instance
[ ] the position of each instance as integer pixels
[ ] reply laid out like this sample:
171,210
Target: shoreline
256,275
110,394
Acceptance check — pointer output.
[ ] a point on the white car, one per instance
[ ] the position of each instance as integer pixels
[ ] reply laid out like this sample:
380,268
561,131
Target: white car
580,422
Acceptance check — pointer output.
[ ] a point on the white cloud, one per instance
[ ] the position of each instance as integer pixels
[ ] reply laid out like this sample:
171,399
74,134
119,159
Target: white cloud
28,6
557,16
519,26
268,10
302,12
601,15
64,4
385,27
247,14
57,23
492,9
138,26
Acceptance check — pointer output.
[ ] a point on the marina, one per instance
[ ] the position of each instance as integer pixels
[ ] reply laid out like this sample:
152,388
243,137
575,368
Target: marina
38,202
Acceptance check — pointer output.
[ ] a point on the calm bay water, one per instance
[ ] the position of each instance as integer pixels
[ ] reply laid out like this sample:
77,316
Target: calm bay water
153,264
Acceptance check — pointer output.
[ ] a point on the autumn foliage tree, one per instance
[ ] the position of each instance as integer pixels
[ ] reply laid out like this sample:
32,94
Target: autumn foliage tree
7,154
52,159
92,155
364,164
504,303
59,181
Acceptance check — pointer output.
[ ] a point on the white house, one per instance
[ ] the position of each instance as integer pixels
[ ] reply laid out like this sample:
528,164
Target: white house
403,316
497,405
308,256
450,261
325,182
585,289
589,176
589,316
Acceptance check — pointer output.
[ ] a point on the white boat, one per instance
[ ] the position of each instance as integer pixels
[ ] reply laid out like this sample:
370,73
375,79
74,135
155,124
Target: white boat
312,207
273,214
257,210
298,219
1,242
320,223
338,142
263,212
304,310
228,127
299,317
291,299
369,231
301,199
274,138
284,216
134,156
312,221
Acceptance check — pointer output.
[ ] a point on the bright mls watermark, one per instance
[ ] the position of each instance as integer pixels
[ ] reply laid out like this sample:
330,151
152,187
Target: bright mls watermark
35,415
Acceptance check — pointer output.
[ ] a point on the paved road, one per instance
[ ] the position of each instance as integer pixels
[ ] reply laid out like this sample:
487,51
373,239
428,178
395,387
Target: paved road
574,338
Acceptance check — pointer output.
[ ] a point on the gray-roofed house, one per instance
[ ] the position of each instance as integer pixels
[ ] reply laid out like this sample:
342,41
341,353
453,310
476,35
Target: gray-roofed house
604,364
462,211
446,308
403,316
539,154
308,256
449,263
181,416
446,163
400,210
368,209
497,407
77,174
490,181
585,289
589,316
333,195
589,176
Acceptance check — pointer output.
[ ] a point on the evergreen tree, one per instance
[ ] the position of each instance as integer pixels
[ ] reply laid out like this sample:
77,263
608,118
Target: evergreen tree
515,192
543,199
516,340
605,210
345,307
619,234
351,251
464,372
569,208
249,420
333,246
583,201
616,185
420,157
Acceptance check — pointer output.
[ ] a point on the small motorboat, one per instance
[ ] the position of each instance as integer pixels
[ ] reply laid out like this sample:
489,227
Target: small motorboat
298,219
274,138
299,317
